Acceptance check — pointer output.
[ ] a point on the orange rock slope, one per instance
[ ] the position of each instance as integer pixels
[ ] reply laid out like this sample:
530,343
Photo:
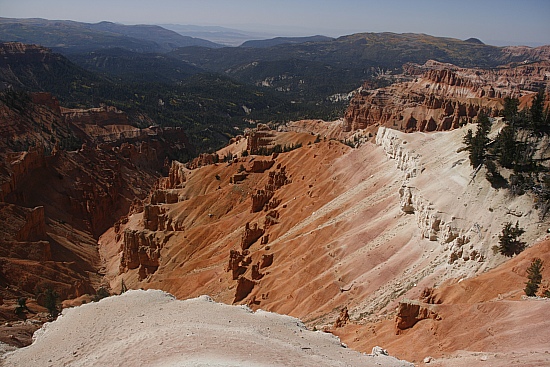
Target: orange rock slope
488,316
323,227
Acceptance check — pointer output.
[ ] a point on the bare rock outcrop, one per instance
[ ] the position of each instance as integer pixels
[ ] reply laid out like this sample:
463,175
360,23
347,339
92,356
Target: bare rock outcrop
442,97
176,177
250,235
164,197
410,312
262,197
24,233
238,177
258,138
434,224
140,249
204,159
266,261
259,165
238,263
21,165
259,199
256,275
243,289
342,319
34,227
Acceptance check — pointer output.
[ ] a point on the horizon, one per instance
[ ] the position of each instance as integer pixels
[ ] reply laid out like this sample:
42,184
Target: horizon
488,21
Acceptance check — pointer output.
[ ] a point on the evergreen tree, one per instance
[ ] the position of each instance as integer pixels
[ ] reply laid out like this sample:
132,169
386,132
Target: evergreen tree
50,302
537,116
477,144
510,244
534,274
506,146
510,109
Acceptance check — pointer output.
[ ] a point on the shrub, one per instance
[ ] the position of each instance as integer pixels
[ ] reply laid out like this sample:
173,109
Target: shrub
100,294
21,305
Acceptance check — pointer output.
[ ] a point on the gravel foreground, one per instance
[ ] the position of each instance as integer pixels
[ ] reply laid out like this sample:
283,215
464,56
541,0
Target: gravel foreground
152,328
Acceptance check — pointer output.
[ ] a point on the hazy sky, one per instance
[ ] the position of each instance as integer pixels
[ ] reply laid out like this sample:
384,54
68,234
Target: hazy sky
492,21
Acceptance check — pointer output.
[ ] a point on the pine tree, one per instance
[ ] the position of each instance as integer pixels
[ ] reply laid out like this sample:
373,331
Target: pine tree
506,147
477,144
536,114
50,302
534,274
510,109
510,244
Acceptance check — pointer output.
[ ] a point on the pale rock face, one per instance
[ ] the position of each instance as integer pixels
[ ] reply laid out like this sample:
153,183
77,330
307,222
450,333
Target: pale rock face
152,328
465,234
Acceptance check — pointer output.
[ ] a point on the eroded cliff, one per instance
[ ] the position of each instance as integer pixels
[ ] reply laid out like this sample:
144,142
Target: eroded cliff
441,97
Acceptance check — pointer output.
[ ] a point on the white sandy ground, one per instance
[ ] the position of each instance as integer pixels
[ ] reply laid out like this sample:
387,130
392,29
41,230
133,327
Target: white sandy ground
152,328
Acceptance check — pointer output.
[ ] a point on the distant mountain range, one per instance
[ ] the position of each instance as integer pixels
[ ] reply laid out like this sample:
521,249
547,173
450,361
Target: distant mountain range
282,78
221,35
74,37
284,40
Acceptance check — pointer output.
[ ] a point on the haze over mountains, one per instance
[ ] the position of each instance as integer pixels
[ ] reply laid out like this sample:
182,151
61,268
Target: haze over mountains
325,179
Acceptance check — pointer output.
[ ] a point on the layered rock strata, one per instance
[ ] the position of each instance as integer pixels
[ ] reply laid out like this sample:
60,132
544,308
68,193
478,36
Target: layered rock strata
442,97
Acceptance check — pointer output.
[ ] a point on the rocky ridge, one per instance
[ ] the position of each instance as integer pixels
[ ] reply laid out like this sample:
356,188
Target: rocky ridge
430,221
441,97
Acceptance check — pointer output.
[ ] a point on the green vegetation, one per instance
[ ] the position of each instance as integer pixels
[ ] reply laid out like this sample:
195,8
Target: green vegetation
476,144
100,294
262,150
534,274
21,305
509,242
51,302
518,150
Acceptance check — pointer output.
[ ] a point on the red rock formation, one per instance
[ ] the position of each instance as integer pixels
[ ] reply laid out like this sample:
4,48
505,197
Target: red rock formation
250,235
35,226
276,180
164,197
176,177
141,249
259,165
151,217
46,99
410,312
204,159
271,218
256,275
236,260
243,289
78,194
21,165
258,138
444,97
266,261
259,199
238,177
342,319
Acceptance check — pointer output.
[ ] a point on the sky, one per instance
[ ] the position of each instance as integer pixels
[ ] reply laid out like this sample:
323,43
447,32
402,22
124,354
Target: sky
497,22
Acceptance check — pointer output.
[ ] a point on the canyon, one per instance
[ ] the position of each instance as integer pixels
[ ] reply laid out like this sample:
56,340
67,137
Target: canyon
374,227
56,202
